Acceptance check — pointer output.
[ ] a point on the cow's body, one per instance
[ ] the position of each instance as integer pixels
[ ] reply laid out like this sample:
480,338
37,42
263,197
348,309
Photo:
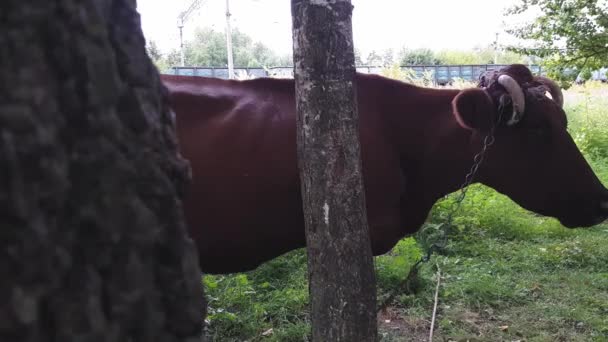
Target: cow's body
244,206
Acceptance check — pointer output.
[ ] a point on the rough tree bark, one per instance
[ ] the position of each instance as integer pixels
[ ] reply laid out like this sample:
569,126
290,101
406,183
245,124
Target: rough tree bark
93,245
341,274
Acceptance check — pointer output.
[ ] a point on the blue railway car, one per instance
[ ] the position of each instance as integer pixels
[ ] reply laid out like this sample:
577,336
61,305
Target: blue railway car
441,74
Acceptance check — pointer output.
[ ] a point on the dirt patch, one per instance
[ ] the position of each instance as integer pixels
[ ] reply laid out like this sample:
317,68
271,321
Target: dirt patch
394,325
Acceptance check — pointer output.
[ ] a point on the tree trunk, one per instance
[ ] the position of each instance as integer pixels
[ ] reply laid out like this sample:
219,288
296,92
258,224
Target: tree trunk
341,274
93,243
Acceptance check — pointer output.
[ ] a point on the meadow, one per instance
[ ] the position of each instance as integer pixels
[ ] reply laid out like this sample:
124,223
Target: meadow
506,274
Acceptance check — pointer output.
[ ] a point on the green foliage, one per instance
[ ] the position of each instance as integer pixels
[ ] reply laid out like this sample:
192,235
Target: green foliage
478,56
156,56
374,58
418,57
423,56
208,48
475,56
588,122
408,75
245,306
153,51
568,34
394,266
388,57
358,59
464,57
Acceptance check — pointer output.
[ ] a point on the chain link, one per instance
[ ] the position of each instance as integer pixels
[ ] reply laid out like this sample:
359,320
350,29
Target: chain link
477,160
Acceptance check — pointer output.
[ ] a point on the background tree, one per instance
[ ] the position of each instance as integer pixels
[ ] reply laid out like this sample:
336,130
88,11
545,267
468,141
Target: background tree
340,265
153,51
478,55
358,59
388,57
173,58
208,48
465,57
93,242
373,59
156,56
417,57
567,34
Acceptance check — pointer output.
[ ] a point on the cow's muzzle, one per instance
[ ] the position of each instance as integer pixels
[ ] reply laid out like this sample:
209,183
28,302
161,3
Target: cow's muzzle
589,213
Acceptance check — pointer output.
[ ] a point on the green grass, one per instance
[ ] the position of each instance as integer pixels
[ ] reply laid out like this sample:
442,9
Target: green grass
550,288
274,296
507,274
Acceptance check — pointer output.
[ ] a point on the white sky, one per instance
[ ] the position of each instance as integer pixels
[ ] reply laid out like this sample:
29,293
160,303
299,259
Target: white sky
377,24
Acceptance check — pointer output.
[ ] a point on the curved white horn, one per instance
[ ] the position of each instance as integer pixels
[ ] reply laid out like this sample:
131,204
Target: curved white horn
517,97
554,89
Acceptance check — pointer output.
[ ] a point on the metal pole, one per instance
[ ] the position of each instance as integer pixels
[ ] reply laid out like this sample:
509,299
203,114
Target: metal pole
496,49
181,45
229,42
180,24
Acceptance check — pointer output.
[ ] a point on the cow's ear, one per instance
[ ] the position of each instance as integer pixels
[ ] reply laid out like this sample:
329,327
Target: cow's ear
473,109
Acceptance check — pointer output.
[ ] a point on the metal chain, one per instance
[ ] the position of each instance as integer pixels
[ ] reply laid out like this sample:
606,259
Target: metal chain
477,160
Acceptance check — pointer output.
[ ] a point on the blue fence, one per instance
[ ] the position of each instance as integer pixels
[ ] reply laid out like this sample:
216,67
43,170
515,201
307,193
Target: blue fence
440,74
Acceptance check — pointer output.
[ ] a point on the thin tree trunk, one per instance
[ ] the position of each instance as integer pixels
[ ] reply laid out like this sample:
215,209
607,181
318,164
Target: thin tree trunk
341,274
93,244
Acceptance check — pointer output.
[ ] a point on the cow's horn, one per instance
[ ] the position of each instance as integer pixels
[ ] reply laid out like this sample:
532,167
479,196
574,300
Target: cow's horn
517,98
554,89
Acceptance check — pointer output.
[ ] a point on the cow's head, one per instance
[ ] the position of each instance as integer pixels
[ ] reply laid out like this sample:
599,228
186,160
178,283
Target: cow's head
534,160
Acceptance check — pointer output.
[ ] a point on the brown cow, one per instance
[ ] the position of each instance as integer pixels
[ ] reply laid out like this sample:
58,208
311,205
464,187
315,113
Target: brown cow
244,204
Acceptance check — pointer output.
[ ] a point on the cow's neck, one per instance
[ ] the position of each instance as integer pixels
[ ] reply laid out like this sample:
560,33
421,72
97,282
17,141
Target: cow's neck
436,152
